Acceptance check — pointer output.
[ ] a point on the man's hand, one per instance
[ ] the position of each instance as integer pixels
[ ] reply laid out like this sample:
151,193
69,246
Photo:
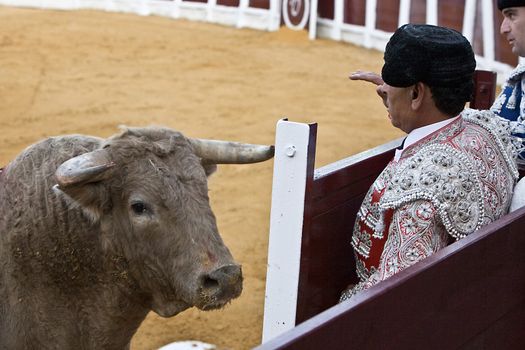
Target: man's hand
373,78
370,77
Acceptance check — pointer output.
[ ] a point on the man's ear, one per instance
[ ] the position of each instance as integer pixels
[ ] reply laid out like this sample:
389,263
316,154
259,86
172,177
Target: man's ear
419,92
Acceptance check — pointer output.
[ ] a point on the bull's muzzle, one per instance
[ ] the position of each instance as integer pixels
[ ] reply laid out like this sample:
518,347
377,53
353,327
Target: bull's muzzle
220,286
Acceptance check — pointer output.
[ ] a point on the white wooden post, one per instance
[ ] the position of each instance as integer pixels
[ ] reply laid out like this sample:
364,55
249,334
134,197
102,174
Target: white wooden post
209,10
312,30
143,9
488,31
175,9
469,15
404,12
243,5
274,20
286,225
339,9
432,12
370,22
110,6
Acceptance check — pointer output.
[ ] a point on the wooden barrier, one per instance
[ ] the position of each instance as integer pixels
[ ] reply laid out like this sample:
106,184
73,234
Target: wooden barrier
310,259
256,14
370,23
470,295
485,89
449,300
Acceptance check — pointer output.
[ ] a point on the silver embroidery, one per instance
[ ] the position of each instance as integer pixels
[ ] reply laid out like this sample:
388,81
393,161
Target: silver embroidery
451,183
455,179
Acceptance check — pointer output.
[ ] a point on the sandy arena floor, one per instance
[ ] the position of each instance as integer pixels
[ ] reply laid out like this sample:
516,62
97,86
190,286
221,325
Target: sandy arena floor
88,72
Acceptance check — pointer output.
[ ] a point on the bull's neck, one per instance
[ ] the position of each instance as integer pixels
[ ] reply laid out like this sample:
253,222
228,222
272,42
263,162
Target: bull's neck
120,320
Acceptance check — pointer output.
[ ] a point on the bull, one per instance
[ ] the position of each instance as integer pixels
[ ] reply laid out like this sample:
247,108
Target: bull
95,233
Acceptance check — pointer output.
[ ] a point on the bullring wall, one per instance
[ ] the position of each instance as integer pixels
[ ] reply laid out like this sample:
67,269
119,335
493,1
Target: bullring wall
368,23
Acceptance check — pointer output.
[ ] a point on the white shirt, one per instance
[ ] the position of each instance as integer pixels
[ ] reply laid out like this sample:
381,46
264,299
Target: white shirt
420,133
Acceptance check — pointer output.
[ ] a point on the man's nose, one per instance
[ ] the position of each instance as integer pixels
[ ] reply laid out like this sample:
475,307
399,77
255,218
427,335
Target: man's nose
380,89
504,28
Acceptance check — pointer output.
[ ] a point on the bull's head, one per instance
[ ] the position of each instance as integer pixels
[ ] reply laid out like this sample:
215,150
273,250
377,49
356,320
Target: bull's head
147,190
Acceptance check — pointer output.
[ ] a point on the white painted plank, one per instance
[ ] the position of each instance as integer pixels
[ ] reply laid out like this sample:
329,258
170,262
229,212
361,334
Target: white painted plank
432,12
312,30
242,16
274,22
469,19
286,224
337,23
404,12
370,22
488,30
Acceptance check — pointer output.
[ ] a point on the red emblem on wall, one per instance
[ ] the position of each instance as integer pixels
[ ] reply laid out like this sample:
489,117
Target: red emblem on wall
296,13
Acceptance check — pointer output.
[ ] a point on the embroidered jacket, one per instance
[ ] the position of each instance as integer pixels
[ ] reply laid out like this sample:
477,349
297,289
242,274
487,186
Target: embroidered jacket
510,104
444,187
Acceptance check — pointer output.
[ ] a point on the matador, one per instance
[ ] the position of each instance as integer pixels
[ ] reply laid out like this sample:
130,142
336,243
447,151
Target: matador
456,169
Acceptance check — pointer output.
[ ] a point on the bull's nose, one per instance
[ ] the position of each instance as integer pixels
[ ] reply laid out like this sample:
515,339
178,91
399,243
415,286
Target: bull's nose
223,276
220,286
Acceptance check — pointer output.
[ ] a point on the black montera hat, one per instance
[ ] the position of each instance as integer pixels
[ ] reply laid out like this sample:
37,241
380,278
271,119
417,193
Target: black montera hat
503,4
436,56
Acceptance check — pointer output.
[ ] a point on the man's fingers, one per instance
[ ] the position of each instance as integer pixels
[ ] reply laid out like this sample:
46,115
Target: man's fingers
370,77
373,78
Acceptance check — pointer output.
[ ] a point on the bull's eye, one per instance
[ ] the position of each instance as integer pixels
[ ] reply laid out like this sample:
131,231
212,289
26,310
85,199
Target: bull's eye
139,208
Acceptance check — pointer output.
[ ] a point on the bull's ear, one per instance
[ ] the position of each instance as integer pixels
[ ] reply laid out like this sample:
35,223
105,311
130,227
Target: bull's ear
81,179
92,198
209,168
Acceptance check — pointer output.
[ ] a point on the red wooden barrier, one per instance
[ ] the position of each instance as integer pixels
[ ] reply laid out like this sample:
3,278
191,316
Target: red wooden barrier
485,89
470,295
331,205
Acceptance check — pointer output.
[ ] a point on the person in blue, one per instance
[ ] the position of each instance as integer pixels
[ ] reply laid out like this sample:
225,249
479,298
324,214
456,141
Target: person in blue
510,104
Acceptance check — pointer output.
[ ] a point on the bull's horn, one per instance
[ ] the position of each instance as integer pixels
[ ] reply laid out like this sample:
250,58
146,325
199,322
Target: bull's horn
225,152
87,167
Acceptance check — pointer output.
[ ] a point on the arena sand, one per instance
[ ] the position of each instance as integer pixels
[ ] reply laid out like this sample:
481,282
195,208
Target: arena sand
88,72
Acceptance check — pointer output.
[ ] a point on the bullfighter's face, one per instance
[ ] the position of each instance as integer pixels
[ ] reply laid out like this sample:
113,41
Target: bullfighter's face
398,102
513,27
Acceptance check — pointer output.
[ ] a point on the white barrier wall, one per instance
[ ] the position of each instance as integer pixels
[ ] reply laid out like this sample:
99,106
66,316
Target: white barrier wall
300,14
242,16
370,36
286,226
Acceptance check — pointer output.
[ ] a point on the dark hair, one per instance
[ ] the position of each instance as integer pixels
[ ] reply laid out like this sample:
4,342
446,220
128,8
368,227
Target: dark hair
503,4
451,100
